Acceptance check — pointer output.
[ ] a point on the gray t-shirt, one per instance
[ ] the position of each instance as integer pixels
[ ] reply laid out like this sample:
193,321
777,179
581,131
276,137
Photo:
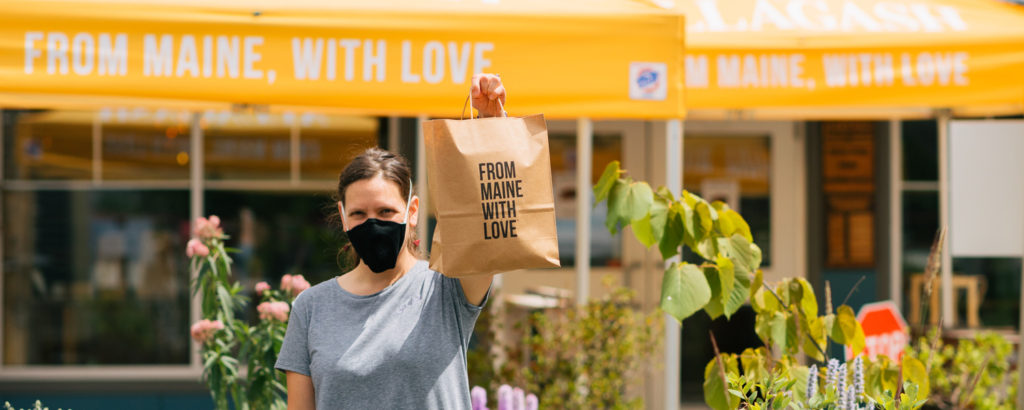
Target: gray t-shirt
401,348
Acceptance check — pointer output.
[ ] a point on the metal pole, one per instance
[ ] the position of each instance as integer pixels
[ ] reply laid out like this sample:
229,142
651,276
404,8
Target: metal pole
947,256
584,157
1020,340
195,209
393,134
421,182
896,212
673,342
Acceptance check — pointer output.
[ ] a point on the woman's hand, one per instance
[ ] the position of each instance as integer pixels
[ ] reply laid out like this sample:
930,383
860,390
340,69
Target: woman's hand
486,91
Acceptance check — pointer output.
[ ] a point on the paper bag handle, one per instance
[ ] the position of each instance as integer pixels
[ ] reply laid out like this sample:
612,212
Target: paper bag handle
465,104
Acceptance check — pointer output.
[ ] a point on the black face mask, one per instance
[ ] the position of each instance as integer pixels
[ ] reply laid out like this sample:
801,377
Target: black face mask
378,243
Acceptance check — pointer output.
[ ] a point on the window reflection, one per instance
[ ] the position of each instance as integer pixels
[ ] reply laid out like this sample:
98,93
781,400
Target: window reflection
144,144
605,249
50,145
280,233
95,277
330,142
735,170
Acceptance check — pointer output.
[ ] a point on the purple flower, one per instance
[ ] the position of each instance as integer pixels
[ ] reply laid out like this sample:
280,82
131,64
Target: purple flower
531,402
518,399
812,382
505,397
479,397
832,374
858,377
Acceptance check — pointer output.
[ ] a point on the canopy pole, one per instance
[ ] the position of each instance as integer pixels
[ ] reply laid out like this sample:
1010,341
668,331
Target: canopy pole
584,157
195,211
947,254
393,134
896,212
421,183
673,330
1020,340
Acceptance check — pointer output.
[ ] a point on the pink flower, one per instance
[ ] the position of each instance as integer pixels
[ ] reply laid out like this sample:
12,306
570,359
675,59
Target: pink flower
286,283
208,228
299,284
294,284
262,287
204,329
274,310
196,248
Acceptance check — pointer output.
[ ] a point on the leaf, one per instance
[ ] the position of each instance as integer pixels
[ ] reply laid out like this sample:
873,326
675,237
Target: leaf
642,230
814,334
808,303
739,224
847,331
800,375
616,205
714,387
754,363
628,202
739,295
638,201
607,180
915,372
779,329
714,308
745,255
703,221
684,290
726,273
672,238
659,216
665,194
724,226
758,282
764,302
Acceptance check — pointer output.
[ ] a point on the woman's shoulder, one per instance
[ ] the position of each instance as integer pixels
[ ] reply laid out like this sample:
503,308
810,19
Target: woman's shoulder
318,291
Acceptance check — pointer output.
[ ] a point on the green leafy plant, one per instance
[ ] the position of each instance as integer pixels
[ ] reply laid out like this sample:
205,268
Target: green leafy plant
583,358
974,373
787,316
227,341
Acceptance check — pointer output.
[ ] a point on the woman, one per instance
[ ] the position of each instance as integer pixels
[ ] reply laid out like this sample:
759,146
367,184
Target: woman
391,333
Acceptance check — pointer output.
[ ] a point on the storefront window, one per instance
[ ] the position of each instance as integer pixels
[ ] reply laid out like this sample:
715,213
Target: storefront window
145,144
95,277
986,290
734,170
605,249
246,146
280,233
49,145
920,150
94,270
328,143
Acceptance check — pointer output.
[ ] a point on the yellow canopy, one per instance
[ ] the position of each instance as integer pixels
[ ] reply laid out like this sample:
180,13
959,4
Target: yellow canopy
565,58
876,58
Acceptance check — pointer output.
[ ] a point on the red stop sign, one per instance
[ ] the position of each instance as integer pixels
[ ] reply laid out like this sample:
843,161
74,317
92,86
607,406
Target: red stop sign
885,331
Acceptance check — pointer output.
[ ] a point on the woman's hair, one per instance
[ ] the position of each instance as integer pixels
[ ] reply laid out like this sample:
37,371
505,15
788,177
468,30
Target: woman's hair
372,163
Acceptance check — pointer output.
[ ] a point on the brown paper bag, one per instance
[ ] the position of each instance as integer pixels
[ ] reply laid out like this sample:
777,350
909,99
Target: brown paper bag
490,186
